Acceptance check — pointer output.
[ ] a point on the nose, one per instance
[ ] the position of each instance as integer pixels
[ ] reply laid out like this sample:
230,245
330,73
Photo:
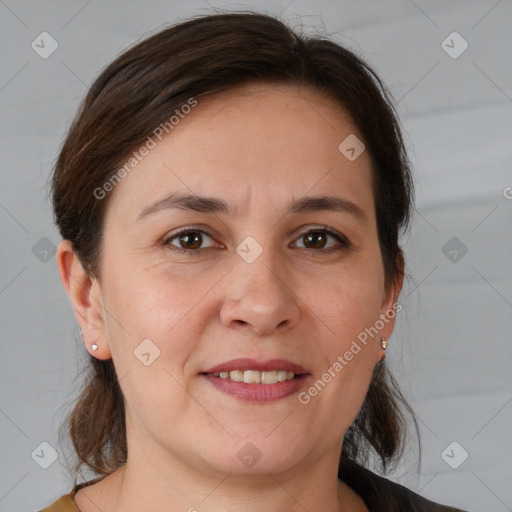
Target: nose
260,298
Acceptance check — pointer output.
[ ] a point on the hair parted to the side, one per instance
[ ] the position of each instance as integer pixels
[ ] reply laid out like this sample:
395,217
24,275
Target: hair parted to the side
136,93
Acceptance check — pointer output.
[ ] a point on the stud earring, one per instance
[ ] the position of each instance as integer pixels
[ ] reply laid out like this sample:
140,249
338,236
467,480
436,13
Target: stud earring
94,347
384,343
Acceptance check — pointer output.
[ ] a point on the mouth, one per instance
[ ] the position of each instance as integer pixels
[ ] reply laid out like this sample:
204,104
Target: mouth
246,364
253,381
254,376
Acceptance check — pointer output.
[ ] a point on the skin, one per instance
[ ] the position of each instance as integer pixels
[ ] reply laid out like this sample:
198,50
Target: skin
258,147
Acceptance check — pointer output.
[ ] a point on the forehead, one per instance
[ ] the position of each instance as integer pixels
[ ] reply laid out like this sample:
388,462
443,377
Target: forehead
258,141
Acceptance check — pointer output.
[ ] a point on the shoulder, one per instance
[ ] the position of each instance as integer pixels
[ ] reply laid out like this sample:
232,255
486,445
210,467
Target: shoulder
408,500
65,503
382,494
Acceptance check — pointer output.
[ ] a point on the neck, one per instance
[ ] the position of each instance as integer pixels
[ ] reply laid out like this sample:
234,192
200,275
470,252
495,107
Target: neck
150,483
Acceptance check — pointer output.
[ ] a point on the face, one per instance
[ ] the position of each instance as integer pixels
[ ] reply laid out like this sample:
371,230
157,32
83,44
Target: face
270,276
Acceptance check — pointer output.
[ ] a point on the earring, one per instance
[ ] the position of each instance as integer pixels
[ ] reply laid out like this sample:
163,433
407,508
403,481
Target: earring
94,347
384,343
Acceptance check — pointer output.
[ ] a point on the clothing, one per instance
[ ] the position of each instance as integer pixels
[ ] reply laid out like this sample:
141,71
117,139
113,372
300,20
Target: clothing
382,495
378,493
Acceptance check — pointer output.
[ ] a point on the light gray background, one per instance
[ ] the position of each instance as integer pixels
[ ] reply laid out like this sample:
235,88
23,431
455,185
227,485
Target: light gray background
451,351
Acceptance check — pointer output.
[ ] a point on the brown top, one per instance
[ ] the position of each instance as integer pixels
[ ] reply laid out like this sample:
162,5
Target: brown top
67,503
378,493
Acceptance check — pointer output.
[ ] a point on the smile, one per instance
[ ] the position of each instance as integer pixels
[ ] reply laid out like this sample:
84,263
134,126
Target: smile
255,387
255,377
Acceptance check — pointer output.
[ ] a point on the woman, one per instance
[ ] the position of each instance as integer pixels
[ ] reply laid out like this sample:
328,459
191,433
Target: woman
230,197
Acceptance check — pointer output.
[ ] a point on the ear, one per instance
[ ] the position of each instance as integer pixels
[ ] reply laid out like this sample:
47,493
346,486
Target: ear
388,310
85,295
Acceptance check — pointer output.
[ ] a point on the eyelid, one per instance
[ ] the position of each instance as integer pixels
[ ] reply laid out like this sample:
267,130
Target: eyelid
187,229
342,240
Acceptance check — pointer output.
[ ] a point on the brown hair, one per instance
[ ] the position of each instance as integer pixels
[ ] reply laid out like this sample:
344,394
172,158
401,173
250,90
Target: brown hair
137,93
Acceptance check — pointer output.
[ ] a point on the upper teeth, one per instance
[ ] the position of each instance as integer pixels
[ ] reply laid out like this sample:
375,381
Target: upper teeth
253,376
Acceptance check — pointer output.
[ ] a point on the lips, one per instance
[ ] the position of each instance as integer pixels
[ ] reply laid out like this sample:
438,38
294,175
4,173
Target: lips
243,364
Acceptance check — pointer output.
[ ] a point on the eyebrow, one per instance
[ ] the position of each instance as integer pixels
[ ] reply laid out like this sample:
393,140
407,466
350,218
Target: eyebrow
205,204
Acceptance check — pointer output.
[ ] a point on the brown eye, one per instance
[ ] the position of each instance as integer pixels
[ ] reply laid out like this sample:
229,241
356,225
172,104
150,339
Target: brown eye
317,239
188,241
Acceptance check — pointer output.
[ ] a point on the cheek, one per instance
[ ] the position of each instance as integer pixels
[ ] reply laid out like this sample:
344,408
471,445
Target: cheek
148,298
353,298
350,307
154,334
151,305
348,362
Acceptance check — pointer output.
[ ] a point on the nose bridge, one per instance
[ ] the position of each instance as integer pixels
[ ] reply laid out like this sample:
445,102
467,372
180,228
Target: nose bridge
258,268
262,260
260,298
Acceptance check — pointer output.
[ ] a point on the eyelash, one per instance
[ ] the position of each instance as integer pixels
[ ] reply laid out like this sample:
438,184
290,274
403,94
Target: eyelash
343,241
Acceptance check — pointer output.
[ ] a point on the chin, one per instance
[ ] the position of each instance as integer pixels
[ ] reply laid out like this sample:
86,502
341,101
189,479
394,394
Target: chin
254,455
